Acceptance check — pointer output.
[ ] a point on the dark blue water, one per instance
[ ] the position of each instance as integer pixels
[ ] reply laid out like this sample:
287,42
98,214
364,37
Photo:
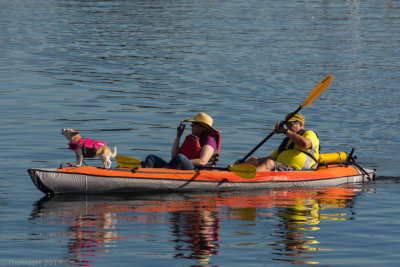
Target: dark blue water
127,72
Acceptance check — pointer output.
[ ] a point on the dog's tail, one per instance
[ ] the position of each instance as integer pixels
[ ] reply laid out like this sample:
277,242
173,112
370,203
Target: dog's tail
114,154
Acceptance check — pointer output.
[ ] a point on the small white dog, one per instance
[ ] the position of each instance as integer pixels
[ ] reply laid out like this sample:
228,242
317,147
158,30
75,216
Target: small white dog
88,148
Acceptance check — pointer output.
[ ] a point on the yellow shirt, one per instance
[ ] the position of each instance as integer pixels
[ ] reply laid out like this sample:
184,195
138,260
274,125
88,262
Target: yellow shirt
294,157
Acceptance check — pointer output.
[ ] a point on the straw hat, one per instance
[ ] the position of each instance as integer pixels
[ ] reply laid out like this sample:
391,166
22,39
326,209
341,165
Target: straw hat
204,119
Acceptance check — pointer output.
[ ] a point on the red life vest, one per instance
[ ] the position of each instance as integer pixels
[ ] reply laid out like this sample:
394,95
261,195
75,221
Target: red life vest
191,147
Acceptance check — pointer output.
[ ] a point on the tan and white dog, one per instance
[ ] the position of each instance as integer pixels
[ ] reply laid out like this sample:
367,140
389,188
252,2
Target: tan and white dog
88,148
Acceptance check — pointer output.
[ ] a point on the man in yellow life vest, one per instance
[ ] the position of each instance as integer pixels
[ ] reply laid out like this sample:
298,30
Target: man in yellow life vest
298,151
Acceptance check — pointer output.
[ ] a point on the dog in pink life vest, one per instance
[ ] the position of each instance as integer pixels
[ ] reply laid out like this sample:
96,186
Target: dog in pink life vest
88,148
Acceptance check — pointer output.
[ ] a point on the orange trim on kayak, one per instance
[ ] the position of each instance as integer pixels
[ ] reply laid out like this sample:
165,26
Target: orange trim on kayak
153,173
216,176
321,173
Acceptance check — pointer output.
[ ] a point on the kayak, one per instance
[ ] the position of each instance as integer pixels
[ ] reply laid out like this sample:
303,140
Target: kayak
90,179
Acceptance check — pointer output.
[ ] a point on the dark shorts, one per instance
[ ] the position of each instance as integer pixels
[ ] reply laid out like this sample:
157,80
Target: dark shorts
280,167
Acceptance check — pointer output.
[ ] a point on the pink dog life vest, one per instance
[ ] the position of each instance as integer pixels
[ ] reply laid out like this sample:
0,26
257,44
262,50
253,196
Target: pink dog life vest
89,146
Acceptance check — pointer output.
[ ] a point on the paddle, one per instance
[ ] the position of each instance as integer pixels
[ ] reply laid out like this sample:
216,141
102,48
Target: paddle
246,171
316,92
128,162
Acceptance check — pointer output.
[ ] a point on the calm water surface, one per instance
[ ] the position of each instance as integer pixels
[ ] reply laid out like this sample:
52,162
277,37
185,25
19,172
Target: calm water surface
127,72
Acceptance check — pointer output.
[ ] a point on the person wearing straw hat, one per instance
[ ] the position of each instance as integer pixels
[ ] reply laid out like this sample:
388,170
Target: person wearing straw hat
298,151
200,148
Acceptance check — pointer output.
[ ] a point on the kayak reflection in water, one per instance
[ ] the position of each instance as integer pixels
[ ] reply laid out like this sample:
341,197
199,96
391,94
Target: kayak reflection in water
298,151
88,227
200,148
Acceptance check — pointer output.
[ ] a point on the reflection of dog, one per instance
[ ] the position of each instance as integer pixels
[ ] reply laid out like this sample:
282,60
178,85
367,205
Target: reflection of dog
88,148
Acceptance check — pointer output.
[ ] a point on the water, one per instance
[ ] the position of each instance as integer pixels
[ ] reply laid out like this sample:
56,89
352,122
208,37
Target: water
127,72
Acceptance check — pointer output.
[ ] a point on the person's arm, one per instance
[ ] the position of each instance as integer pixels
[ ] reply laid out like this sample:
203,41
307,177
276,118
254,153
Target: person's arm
175,145
299,140
205,155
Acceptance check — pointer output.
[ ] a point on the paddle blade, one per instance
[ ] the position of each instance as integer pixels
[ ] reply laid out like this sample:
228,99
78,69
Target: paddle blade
246,171
128,162
318,90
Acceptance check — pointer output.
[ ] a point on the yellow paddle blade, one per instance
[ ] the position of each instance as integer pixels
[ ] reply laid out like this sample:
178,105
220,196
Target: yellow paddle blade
246,171
318,90
128,162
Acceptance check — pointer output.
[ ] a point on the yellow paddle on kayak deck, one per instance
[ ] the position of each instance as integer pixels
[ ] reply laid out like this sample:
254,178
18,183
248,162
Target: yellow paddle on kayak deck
128,162
246,171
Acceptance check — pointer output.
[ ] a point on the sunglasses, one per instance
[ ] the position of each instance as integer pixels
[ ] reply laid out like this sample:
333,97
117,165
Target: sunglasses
292,123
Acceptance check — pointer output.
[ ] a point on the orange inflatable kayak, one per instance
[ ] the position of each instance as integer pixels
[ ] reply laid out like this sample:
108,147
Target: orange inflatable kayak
89,179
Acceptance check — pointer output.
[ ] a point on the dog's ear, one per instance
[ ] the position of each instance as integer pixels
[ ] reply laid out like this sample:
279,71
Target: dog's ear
74,132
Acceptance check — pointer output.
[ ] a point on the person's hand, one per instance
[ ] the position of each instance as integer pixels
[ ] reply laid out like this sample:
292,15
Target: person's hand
280,128
180,129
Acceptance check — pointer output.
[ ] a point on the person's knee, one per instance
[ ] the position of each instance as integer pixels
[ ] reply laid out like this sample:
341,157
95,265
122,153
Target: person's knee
179,157
266,164
181,162
150,157
253,161
149,161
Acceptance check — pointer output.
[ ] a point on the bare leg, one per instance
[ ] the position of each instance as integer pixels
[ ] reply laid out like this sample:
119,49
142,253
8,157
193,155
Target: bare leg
265,165
253,161
79,160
